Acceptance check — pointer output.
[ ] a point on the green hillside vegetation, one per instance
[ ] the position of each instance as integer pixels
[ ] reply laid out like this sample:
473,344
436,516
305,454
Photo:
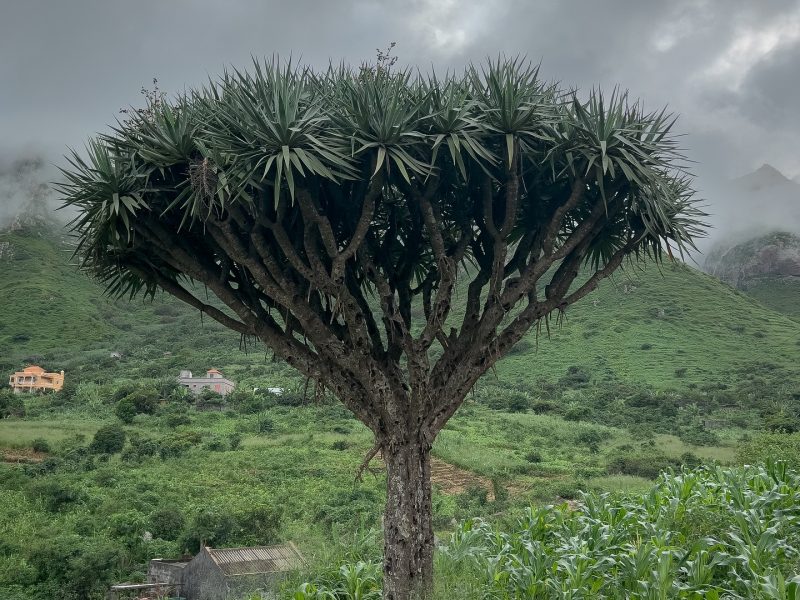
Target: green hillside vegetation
667,326
781,294
658,369
664,326
763,267
46,302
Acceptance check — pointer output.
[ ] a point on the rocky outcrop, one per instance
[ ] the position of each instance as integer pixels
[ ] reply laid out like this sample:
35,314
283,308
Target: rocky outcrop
774,255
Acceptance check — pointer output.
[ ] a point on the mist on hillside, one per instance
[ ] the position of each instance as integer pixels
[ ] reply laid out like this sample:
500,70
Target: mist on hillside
25,189
739,209
750,206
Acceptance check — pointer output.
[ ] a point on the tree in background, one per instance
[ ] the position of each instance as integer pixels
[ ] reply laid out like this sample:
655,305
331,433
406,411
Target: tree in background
335,214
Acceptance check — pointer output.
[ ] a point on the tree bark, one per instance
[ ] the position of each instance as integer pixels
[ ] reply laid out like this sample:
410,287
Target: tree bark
408,526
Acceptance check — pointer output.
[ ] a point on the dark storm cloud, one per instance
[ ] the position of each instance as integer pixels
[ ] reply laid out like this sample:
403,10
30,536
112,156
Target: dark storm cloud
771,94
728,67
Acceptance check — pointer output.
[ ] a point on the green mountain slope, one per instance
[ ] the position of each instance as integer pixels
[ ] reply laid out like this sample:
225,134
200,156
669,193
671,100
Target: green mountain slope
766,267
45,302
667,327
51,313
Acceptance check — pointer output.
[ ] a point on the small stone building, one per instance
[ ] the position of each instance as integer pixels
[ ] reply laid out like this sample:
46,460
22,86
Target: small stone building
226,573
214,380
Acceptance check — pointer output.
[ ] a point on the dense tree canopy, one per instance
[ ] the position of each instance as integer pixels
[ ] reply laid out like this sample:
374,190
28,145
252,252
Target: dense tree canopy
335,213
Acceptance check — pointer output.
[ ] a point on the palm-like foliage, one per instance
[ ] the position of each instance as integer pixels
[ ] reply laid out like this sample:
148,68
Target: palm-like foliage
266,130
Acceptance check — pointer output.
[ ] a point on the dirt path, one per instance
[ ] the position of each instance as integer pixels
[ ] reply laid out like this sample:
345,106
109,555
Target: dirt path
21,456
452,480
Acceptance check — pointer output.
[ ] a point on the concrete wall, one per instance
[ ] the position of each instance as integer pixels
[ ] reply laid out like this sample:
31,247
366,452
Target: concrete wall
202,579
165,571
218,384
243,585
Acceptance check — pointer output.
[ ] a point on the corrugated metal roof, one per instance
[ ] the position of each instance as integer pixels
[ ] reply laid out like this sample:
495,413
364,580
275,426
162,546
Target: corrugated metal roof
258,559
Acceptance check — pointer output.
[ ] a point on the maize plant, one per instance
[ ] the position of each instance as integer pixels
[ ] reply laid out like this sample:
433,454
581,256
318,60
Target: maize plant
649,546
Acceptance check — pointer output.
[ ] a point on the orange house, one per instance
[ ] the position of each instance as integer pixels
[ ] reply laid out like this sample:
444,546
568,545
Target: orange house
35,379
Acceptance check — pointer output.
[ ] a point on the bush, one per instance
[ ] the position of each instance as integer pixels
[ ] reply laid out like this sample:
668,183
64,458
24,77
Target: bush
697,435
178,444
770,446
782,423
592,437
140,447
691,460
125,411
145,400
109,439
216,444
534,457
177,419
40,445
11,404
56,494
576,412
648,466
235,440
576,377
541,407
209,527
259,525
167,523
266,425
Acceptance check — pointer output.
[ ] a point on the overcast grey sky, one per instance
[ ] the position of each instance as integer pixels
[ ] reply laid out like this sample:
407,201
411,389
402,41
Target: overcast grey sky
731,68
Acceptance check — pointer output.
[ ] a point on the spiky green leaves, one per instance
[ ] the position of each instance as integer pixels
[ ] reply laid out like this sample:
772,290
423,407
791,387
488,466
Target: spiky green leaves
254,138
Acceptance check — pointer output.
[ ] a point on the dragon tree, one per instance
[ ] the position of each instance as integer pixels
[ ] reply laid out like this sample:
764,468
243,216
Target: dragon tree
336,214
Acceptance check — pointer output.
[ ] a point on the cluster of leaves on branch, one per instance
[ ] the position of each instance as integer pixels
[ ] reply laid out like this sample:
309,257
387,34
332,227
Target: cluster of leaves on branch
326,209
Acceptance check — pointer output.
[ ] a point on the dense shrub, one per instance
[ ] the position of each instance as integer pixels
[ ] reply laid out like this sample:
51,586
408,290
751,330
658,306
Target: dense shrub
697,435
40,445
208,399
145,400
592,437
770,446
576,412
534,456
167,523
234,440
214,528
109,439
74,568
177,419
348,508
782,423
11,404
216,444
266,425
576,377
56,494
125,410
642,465
140,447
258,525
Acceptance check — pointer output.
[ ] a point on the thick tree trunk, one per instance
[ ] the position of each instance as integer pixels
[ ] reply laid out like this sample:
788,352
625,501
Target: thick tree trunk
408,527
